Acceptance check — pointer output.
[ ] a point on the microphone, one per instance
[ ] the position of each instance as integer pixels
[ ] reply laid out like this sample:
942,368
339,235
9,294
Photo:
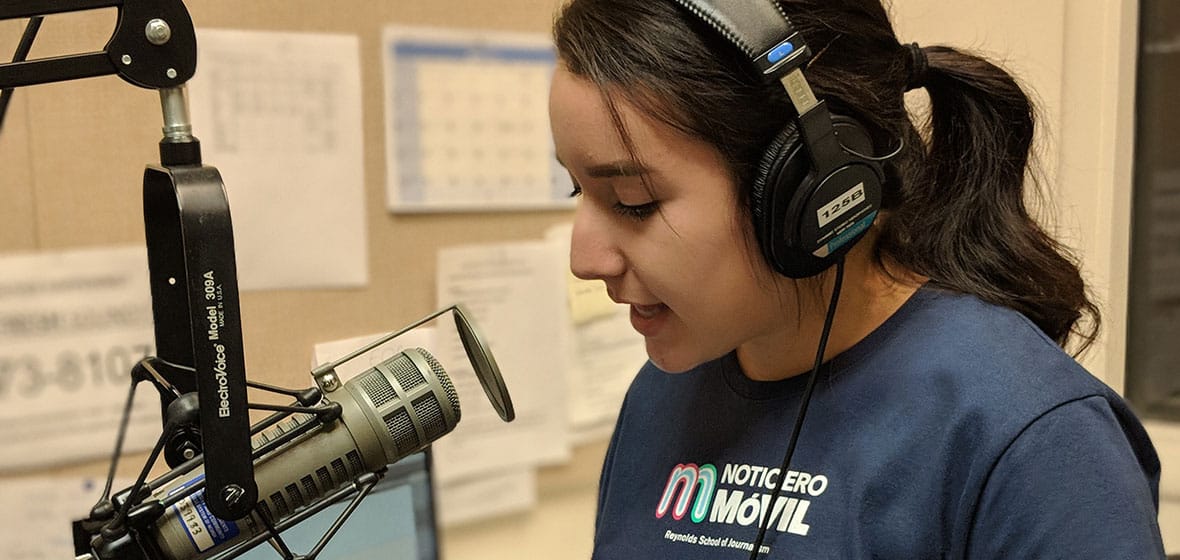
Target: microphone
393,410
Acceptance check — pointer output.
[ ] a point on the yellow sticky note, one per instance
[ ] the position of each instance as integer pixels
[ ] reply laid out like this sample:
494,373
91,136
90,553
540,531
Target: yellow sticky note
588,300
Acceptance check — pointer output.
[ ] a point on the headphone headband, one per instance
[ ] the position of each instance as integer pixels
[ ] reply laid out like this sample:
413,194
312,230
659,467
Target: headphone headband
759,29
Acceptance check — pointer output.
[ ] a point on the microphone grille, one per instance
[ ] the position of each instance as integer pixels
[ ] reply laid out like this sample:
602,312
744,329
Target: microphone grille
430,414
378,389
401,429
444,380
408,401
407,375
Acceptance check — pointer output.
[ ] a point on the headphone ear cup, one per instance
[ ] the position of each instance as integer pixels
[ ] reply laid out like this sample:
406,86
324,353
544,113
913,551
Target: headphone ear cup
787,187
767,197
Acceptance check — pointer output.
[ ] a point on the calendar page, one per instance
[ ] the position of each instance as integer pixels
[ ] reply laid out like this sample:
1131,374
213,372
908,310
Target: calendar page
467,123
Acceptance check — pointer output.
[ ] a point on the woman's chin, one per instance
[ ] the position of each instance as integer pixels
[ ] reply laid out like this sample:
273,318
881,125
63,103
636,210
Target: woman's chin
671,361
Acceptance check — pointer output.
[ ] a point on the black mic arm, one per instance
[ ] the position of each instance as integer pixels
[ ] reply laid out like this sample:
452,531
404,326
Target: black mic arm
153,46
189,235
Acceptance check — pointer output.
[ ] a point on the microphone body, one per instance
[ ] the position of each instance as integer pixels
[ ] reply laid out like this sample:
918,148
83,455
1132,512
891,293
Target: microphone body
389,412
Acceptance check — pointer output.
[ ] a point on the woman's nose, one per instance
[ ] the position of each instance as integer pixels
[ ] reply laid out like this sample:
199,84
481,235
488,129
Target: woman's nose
594,253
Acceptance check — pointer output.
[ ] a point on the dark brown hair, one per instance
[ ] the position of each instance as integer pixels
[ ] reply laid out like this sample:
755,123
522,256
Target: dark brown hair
954,200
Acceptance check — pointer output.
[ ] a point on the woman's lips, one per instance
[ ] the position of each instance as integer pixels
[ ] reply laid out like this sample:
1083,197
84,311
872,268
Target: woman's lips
647,319
647,311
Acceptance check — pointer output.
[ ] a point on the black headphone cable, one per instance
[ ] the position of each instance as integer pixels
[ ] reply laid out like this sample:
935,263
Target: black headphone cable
819,358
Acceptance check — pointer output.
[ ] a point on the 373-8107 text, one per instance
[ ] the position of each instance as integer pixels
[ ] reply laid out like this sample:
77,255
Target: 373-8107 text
30,375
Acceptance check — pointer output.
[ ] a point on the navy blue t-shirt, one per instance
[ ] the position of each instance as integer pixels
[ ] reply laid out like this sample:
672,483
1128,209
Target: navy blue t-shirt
956,429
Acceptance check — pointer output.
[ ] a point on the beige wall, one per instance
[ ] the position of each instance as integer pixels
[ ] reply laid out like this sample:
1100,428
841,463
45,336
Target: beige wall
72,155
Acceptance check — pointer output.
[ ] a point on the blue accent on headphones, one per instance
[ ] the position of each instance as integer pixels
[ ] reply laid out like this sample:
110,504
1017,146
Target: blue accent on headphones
852,233
780,52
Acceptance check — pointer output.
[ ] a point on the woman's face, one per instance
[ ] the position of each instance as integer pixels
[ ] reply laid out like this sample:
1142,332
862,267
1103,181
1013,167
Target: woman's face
677,253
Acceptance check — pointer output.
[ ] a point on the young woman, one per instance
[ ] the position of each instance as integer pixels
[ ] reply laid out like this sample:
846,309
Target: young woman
946,420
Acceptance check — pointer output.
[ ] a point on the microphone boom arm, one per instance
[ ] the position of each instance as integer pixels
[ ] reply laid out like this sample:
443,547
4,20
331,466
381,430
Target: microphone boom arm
153,46
187,225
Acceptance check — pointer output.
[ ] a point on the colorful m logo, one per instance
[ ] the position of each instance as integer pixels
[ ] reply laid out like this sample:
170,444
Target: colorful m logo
685,482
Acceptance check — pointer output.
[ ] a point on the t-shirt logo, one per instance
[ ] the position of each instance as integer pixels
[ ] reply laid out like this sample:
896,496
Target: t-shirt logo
740,496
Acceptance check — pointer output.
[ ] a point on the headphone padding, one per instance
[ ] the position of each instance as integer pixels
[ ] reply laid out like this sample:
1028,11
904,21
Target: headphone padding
764,191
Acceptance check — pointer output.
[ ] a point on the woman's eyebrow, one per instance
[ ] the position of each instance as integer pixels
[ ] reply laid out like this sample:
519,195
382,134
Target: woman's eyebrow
622,168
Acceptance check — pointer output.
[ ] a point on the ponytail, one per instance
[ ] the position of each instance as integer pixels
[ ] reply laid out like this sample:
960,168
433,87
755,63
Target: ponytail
959,215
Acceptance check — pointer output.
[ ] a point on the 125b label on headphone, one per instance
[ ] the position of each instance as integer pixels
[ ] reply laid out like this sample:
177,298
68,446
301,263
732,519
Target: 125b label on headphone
841,205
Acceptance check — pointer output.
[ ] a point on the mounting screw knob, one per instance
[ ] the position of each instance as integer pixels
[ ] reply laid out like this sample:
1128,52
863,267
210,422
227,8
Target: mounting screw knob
158,32
329,382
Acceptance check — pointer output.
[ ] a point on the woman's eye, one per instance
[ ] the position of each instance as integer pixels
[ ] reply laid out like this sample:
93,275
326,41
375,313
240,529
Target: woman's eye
637,212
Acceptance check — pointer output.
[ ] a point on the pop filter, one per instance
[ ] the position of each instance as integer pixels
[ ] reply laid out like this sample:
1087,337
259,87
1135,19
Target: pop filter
485,365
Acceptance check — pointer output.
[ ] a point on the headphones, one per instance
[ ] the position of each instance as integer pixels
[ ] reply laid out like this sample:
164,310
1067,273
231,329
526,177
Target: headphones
815,194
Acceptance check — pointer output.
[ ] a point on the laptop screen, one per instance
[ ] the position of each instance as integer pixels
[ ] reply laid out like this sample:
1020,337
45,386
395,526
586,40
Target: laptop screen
395,522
